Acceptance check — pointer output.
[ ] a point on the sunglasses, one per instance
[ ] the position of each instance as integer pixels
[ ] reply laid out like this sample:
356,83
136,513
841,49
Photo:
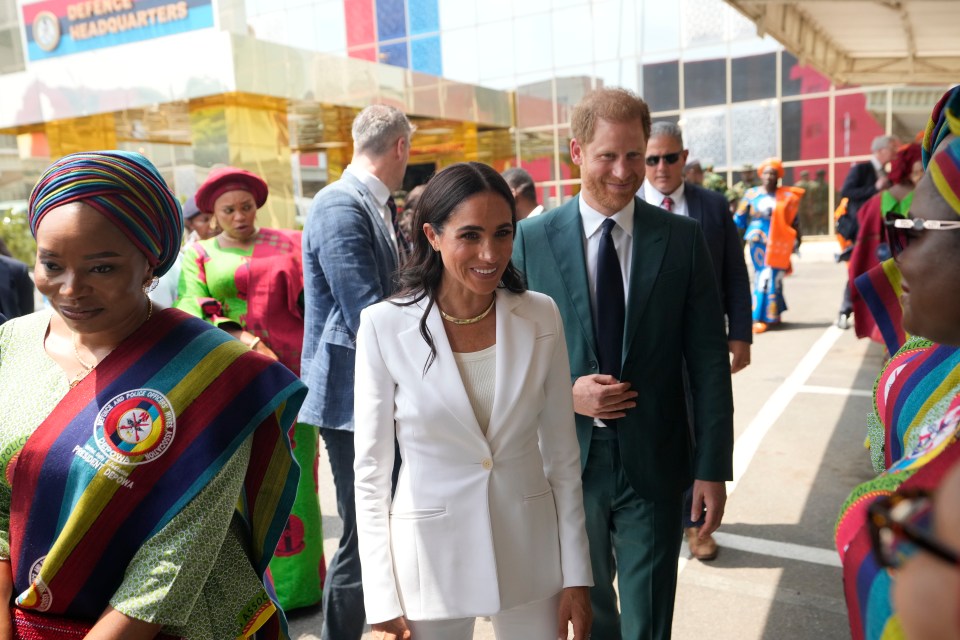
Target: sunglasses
900,230
669,158
902,523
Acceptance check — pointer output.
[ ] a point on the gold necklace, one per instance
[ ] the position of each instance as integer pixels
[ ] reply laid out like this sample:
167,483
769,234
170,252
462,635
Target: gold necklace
472,320
87,368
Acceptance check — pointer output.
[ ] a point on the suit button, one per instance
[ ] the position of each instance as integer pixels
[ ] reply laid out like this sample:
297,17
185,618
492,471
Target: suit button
593,364
487,464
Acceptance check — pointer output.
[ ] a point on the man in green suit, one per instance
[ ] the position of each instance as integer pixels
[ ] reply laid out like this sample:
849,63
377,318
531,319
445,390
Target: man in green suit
636,290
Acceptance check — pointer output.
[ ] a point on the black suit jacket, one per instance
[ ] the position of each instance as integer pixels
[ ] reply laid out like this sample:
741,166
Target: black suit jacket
711,210
16,288
860,186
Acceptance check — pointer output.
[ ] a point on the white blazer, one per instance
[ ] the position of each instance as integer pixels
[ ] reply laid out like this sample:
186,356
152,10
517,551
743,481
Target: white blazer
478,524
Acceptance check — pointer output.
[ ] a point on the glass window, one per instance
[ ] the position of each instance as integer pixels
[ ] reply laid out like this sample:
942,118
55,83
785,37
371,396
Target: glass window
573,37
805,129
457,13
660,25
673,119
535,104
391,20
533,44
703,22
358,18
753,77
614,35
394,54
858,119
568,170
754,131
329,19
425,53
460,60
424,16
536,154
661,85
496,42
798,79
704,83
705,133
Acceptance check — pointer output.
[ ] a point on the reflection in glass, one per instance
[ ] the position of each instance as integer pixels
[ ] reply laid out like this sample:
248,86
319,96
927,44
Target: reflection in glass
705,133
754,131
806,129
536,154
798,79
855,126
704,83
661,85
753,77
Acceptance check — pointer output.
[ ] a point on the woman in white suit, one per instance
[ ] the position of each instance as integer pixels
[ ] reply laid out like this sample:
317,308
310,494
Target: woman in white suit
469,372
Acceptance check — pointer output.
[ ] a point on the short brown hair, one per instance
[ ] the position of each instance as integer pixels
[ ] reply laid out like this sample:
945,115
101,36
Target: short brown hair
610,104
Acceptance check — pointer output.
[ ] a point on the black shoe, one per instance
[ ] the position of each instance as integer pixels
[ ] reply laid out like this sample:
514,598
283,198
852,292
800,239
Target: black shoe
843,321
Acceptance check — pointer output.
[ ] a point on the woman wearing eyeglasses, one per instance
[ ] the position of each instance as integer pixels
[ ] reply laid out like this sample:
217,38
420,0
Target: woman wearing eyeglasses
769,215
917,403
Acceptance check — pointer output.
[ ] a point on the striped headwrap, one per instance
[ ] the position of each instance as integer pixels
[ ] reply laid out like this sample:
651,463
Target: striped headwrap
936,130
944,167
126,189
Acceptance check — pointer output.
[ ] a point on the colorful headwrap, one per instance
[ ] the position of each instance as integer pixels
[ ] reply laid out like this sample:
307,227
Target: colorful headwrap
945,171
902,164
936,131
771,163
225,179
126,189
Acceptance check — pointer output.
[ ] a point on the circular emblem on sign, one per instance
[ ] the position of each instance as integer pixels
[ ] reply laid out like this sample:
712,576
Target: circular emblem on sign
135,427
46,31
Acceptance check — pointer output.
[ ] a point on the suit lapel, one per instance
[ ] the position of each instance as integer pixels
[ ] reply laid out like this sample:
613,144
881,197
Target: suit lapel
565,236
649,245
443,376
516,337
370,205
694,204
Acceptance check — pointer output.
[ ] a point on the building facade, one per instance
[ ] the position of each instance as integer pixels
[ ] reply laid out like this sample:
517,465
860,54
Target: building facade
272,85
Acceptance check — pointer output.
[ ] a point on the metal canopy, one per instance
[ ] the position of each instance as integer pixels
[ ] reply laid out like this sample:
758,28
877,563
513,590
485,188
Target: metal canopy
866,42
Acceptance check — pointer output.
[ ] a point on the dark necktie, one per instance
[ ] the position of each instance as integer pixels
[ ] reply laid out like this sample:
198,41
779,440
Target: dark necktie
611,307
398,232
667,204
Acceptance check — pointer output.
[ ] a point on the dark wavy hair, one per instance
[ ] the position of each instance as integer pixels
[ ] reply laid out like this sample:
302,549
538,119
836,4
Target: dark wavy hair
421,274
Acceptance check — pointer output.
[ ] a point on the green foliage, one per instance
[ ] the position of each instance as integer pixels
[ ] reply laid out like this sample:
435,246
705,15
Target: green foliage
15,231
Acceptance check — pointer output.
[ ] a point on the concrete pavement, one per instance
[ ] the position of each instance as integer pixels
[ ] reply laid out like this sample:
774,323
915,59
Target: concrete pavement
799,425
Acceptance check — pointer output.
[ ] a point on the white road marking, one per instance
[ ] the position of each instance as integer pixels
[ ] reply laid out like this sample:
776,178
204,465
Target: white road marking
836,391
786,550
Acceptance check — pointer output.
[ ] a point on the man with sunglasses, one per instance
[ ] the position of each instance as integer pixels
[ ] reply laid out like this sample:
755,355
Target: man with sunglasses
666,187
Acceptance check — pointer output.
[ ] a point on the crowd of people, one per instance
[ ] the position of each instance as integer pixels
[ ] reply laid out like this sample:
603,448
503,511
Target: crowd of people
526,412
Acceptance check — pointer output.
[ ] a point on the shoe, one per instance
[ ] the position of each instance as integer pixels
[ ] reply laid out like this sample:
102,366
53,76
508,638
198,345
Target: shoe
703,550
759,327
843,321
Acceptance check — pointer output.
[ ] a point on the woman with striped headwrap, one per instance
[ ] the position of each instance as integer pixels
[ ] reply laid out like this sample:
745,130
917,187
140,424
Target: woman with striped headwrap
768,213
917,418
147,472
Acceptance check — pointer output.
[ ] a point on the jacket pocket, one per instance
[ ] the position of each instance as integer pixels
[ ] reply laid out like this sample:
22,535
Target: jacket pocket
418,514
537,496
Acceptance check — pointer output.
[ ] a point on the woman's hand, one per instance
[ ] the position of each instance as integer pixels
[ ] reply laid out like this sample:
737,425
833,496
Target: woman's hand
395,629
575,609
114,625
262,348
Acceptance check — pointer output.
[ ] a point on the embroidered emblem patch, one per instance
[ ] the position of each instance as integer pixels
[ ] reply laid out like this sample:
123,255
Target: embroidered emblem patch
135,427
38,596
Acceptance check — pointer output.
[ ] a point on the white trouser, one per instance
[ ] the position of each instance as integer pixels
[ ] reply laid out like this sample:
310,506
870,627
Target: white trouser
534,621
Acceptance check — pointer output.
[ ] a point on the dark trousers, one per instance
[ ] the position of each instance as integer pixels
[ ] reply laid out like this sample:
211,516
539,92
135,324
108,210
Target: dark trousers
343,612
634,540
846,307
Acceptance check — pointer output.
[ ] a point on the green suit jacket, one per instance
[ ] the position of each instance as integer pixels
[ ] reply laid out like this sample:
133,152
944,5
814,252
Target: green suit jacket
674,316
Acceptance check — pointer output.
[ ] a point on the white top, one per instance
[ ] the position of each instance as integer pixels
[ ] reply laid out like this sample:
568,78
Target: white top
478,369
654,197
537,210
381,193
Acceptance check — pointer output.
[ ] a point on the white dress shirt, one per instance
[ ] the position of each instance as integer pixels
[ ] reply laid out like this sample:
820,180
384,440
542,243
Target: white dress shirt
623,241
381,193
654,197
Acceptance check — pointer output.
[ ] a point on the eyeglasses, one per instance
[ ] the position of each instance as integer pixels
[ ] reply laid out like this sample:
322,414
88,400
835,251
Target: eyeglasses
669,158
901,230
900,524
